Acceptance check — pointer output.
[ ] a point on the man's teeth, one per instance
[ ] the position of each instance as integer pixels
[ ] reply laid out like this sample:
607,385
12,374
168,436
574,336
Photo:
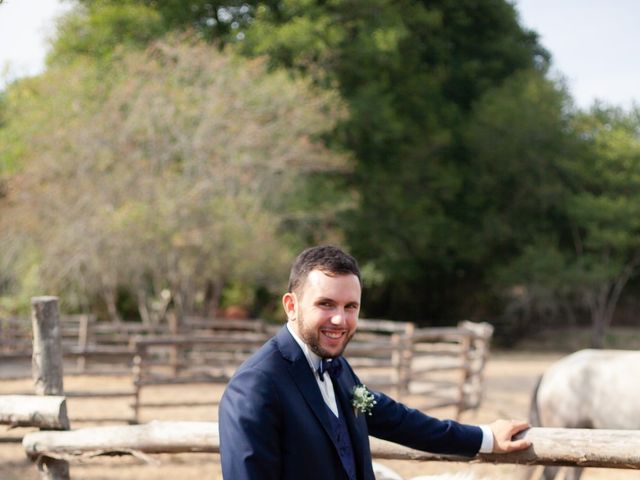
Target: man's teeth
331,334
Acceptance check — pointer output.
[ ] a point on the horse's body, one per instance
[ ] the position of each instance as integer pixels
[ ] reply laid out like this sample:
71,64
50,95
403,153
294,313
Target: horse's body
383,472
589,389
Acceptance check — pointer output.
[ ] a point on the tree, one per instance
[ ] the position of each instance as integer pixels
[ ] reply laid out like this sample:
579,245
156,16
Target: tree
410,73
97,28
170,171
605,213
585,261
516,188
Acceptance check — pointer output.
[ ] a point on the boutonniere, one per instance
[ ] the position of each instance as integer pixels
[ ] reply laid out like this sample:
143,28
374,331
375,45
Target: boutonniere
362,400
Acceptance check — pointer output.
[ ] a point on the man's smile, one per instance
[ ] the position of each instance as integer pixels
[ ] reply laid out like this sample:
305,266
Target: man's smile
333,334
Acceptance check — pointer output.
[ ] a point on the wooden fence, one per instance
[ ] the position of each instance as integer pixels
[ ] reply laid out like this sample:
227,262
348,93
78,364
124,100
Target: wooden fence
551,446
86,339
110,349
194,359
181,360
439,366
48,412
447,365
385,354
380,353
16,334
51,450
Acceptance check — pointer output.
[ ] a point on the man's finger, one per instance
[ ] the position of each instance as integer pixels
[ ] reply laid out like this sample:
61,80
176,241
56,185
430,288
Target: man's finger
518,425
516,445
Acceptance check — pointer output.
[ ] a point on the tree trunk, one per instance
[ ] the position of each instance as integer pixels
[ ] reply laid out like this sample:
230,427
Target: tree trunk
608,301
597,331
212,298
110,299
143,310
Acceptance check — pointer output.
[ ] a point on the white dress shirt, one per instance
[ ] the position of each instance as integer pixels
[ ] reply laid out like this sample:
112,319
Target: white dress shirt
326,386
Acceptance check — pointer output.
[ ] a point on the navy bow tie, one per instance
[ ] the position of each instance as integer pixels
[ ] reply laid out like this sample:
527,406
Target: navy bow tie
331,366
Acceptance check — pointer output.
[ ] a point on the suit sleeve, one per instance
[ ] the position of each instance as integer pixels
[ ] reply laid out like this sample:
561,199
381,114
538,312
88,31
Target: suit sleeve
249,424
393,421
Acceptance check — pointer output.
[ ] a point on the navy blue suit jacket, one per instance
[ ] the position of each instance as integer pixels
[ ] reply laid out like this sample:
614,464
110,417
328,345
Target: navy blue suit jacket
274,423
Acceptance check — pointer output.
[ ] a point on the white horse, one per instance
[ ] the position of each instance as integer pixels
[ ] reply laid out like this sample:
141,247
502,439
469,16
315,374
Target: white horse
383,472
588,389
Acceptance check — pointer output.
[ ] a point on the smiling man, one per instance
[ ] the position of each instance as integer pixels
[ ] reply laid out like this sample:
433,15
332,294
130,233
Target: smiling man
323,303
288,412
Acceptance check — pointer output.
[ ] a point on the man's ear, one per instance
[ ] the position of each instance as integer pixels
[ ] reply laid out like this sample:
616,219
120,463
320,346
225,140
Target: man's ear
290,304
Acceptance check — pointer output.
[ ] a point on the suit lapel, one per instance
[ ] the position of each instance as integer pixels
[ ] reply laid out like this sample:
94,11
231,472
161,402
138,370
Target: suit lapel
303,378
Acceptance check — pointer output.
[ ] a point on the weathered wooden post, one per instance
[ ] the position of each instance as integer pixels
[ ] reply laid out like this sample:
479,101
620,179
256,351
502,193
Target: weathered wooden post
83,342
138,359
396,363
406,357
174,352
465,363
47,369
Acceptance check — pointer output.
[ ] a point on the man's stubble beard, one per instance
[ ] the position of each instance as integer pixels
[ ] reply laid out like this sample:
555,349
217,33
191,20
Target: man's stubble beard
311,338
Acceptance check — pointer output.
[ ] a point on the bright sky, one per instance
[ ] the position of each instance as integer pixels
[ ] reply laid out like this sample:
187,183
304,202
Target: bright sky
25,26
595,43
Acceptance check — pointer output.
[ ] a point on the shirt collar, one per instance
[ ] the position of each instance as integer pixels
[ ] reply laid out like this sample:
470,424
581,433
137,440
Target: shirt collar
312,358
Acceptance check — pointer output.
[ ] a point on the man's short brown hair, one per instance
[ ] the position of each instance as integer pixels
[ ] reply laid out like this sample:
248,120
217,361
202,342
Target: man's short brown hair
328,259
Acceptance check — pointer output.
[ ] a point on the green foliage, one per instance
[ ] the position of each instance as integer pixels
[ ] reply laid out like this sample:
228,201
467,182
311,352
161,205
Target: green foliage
605,212
97,31
164,172
595,249
410,73
101,25
519,139
476,187
408,111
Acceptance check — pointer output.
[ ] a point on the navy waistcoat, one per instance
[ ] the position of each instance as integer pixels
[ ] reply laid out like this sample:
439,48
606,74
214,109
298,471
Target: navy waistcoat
343,442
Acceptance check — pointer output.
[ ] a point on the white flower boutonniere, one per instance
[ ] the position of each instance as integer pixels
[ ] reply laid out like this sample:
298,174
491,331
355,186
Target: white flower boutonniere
362,400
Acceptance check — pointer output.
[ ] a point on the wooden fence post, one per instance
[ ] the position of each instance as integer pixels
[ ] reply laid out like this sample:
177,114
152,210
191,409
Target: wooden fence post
137,369
174,352
47,369
83,342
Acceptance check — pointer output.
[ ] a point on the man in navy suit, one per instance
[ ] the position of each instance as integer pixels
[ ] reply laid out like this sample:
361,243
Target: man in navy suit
288,411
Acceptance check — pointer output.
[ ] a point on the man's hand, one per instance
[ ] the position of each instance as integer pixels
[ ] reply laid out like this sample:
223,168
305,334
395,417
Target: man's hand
503,431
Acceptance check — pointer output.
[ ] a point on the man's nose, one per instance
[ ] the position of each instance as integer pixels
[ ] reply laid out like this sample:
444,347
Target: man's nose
338,317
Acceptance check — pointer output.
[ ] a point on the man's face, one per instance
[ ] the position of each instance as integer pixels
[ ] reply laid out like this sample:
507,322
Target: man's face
324,311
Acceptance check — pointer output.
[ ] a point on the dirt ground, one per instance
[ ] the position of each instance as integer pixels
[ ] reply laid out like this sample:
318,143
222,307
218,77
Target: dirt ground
509,378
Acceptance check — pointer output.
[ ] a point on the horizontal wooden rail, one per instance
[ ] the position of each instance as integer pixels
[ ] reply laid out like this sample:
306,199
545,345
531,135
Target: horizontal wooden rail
153,437
384,326
192,379
221,324
34,411
227,340
551,446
